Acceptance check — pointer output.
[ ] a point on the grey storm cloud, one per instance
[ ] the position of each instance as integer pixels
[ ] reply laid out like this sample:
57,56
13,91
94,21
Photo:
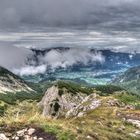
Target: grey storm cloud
60,13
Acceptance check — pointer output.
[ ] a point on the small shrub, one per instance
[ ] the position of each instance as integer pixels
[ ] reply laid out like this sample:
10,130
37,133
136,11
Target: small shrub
74,88
107,89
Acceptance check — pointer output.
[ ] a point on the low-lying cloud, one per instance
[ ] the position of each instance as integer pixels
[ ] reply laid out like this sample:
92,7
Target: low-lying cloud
31,70
54,59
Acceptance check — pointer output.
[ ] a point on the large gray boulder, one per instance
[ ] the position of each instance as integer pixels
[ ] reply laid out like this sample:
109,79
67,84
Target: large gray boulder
61,103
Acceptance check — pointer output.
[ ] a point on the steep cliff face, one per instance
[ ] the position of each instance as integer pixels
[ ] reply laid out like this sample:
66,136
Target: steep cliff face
11,83
59,102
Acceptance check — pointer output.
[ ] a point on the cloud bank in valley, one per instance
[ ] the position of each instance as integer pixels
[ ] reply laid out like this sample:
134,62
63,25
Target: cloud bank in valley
54,59
115,26
116,14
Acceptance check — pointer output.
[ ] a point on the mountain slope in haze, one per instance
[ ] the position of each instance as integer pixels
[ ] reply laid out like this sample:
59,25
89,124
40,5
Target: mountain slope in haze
99,73
130,80
130,75
13,88
11,83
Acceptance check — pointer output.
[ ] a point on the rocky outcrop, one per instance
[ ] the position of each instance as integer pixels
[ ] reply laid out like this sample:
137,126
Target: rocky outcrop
3,137
115,103
136,133
89,103
28,134
61,103
134,122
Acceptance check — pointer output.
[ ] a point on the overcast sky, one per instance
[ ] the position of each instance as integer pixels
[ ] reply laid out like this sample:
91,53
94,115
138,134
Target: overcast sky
113,14
100,24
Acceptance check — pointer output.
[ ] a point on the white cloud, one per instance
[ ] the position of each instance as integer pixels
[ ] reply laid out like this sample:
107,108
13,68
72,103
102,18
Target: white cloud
15,48
56,58
64,59
31,70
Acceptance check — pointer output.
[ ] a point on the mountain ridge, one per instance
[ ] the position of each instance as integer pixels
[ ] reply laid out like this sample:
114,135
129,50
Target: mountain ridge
130,80
10,82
